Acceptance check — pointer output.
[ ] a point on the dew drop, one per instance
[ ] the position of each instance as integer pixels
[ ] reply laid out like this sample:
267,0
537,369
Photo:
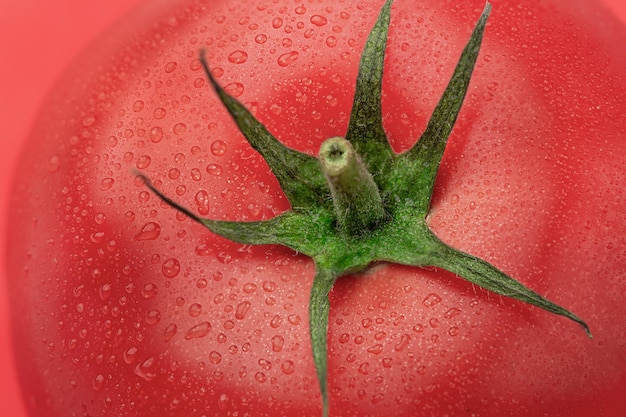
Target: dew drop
238,57
375,349
294,319
171,268
143,162
179,128
218,147
288,58
242,309
105,292
138,106
269,286
275,321
169,332
153,317
453,312
403,343
318,20
277,343
156,134
261,38
234,89
195,309
202,202
203,250
214,169
387,362
150,231
331,41
170,67
98,382
198,331
144,369
364,368
53,163
159,113
277,22
88,121
287,367
130,355
215,357
431,300
149,291
106,184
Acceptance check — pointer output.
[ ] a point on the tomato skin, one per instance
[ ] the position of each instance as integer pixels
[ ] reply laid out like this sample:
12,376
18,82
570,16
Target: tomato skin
102,271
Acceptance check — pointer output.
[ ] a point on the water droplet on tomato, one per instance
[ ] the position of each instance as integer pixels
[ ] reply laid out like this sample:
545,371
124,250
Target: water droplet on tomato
144,369
238,57
215,357
403,343
88,121
150,231
242,309
169,332
218,147
171,268
375,349
453,312
143,162
170,67
288,58
318,20
364,368
195,309
179,128
234,89
277,343
173,173
261,38
53,163
260,377
156,134
149,291
288,367
331,41
130,355
275,321
106,184
431,300
105,292
198,331
387,362
203,250
153,317
277,22
159,113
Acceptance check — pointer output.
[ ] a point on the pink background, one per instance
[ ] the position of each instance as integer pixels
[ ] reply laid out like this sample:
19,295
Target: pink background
38,38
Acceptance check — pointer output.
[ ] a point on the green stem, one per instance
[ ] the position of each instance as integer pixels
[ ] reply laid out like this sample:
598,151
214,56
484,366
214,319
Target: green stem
319,308
357,201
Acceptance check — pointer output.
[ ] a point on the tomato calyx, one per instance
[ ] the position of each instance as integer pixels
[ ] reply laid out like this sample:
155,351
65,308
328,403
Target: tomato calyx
358,202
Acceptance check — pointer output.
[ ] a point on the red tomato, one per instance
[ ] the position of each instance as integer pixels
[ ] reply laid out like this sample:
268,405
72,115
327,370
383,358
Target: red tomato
122,306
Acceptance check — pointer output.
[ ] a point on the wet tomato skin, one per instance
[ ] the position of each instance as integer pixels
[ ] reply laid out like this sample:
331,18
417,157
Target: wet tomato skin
122,306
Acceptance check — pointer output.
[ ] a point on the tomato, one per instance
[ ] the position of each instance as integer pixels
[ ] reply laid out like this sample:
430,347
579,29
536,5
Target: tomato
123,306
